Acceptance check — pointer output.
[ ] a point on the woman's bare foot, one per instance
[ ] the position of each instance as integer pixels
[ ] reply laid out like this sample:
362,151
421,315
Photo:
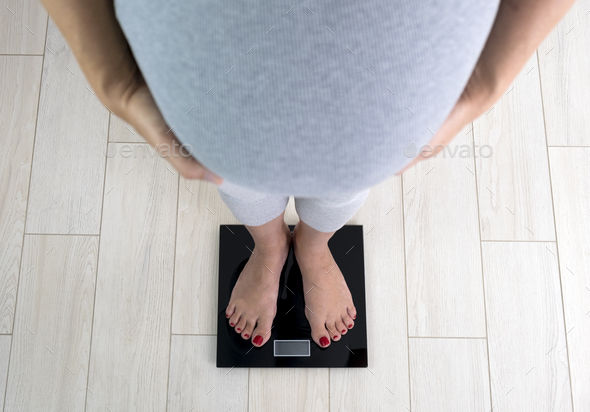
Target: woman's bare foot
253,303
329,307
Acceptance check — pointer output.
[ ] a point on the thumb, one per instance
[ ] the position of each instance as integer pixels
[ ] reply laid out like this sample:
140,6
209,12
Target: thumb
190,168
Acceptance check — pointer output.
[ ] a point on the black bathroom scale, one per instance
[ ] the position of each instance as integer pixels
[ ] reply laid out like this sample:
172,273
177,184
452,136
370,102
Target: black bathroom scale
290,344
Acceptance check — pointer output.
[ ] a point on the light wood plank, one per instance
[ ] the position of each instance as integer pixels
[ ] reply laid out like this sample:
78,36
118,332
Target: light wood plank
200,212
449,375
570,174
22,27
131,337
19,94
121,131
564,58
526,337
49,360
442,245
385,385
196,383
513,183
287,390
5,341
70,148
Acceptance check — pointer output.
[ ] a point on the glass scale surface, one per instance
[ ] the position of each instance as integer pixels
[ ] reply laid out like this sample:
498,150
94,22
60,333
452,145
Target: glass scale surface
290,344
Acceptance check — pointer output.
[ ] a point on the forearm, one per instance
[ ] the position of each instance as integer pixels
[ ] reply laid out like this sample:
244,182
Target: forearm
98,43
519,28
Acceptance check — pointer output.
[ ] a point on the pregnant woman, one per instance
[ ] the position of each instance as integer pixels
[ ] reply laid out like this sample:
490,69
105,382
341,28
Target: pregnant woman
318,100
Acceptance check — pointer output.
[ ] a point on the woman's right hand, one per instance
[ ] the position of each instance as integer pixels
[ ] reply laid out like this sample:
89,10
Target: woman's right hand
135,104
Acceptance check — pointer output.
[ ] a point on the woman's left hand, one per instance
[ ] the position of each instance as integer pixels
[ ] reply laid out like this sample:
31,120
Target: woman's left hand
476,98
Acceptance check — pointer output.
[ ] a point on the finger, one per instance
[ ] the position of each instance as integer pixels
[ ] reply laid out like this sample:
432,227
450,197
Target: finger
456,120
180,157
434,146
182,160
411,164
191,168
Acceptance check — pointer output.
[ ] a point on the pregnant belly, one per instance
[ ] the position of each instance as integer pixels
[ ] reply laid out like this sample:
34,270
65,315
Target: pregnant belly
305,100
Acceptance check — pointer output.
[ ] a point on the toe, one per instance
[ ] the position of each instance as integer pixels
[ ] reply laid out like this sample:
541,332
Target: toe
348,322
229,311
320,334
352,312
234,319
334,333
262,332
247,330
341,327
241,324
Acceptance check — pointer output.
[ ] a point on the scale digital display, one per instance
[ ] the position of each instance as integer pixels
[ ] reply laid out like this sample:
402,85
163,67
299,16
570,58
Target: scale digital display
291,348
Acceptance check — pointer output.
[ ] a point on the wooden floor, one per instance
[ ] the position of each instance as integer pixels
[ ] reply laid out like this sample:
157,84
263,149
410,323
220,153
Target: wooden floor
478,287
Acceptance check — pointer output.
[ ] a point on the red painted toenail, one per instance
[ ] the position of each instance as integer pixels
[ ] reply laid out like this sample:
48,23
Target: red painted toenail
231,324
257,340
246,336
226,315
324,341
354,317
238,329
350,326
343,331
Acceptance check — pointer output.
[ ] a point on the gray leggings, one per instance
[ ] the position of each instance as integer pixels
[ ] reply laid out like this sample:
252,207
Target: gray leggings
325,214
